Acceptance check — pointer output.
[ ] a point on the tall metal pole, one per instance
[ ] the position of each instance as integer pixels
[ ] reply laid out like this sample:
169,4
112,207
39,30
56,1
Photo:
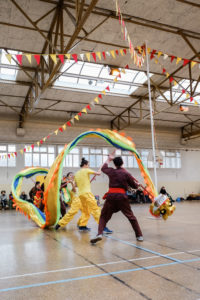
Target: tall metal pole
152,121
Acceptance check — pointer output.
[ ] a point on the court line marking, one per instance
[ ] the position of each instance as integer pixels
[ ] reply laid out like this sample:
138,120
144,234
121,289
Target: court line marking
96,276
92,266
142,248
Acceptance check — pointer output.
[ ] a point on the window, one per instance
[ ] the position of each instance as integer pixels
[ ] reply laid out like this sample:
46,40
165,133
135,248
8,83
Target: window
72,159
7,156
171,159
39,156
9,71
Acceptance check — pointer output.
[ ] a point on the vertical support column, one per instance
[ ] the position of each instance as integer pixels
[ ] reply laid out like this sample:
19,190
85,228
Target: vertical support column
152,121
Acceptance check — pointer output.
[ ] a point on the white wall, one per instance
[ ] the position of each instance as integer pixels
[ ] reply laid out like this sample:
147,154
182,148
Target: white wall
179,182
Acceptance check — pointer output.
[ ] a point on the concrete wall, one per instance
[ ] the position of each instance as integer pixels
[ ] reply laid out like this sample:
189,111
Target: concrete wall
179,182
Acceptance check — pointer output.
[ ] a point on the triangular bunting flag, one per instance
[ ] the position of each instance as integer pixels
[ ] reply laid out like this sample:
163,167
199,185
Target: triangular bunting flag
124,50
28,56
80,113
37,58
191,99
178,60
152,54
172,58
167,74
69,124
76,117
195,102
96,100
94,56
19,58
9,57
98,55
193,63
108,53
46,58
175,83
121,52
115,79
56,132
75,57
92,103
21,151
156,61
62,58
171,79
88,107
104,54
117,52
159,53
84,110
148,50
68,56
100,96
165,56
32,146
104,92
163,70
54,58
185,62
108,88
187,95
38,143
61,129
82,56
15,153
64,127
88,56
41,142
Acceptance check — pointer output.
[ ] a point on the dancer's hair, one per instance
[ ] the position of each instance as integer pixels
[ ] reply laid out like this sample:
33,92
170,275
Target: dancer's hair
163,191
118,162
69,174
83,162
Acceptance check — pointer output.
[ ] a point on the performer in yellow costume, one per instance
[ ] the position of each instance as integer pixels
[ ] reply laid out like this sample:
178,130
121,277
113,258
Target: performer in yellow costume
74,203
88,201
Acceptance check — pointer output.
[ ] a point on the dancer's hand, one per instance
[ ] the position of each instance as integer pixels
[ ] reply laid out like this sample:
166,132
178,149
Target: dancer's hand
111,157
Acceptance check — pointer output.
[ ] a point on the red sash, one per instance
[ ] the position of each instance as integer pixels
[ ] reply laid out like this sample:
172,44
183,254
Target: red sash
114,191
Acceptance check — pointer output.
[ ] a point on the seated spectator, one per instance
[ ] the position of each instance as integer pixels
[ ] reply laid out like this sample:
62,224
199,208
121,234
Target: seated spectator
34,190
10,201
3,199
23,196
140,196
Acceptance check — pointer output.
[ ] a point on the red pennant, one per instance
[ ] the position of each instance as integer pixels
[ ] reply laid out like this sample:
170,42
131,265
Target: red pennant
75,57
61,130
41,142
119,75
117,52
15,153
108,88
19,58
100,96
191,98
172,58
61,56
183,91
104,55
68,123
124,50
127,67
48,136
80,113
185,62
32,146
88,107
171,79
24,149
8,155
94,56
152,54
163,70
37,58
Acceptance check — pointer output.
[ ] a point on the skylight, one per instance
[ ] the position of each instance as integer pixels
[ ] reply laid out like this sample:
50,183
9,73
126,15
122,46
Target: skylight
8,71
96,77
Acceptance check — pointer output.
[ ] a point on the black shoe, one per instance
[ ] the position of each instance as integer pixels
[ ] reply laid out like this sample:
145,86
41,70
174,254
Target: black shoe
83,228
57,227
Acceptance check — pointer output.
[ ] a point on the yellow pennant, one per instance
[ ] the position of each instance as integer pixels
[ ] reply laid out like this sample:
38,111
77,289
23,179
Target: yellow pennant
123,71
178,60
112,52
9,57
187,95
156,61
44,139
38,143
29,148
140,49
21,151
115,79
195,102
103,92
159,53
88,56
54,58
68,56
148,50
121,52
84,110
76,117
5,156
175,83
98,55
96,100
64,126
28,56
12,154
193,63
167,74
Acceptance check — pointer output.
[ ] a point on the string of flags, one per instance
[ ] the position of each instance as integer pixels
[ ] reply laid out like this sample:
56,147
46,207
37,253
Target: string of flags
89,56
69,123
138,60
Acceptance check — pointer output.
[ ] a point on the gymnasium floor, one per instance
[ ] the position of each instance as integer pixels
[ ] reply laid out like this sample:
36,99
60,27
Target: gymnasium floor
44,264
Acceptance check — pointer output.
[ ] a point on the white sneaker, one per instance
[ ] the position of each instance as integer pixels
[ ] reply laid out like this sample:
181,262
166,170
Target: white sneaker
140,239
96,239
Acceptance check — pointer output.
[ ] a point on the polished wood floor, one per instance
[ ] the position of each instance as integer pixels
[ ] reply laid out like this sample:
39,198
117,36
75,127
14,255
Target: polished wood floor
45,264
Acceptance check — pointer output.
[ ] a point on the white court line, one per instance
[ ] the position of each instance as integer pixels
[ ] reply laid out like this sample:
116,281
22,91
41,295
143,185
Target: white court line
92,266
